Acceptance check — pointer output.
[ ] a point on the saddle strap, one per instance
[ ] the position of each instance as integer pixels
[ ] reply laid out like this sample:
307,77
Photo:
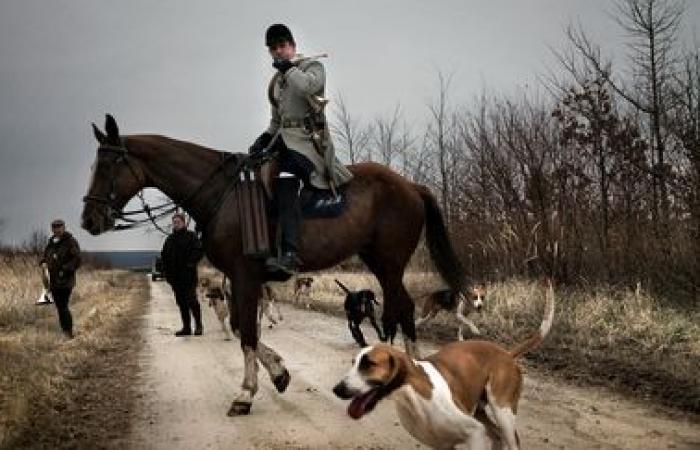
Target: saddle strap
253,215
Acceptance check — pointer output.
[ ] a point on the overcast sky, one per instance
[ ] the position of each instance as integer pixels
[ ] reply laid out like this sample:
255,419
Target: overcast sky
198,71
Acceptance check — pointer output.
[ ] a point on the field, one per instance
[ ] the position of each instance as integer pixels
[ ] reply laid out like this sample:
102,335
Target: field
620,339
45,378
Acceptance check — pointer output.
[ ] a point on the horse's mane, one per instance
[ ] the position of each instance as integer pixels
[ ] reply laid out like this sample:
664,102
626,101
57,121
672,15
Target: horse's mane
157,140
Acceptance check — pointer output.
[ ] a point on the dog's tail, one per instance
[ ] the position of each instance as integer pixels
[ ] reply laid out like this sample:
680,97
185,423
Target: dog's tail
342,286
536,339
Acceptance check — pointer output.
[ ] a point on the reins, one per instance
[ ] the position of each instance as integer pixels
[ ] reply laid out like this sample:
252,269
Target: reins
167,208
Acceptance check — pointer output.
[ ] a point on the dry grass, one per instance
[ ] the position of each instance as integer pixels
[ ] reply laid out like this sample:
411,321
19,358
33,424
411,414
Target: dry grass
38,363
621,338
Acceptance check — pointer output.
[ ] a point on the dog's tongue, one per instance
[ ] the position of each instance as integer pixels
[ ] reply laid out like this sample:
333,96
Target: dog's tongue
358,406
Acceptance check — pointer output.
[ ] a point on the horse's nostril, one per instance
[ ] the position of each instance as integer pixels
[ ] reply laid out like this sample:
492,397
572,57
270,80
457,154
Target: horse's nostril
87,223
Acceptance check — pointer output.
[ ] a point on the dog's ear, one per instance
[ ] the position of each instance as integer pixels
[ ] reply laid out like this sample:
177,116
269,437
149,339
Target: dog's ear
397,370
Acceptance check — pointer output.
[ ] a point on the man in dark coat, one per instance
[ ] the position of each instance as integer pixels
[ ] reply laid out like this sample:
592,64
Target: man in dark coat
62,259
181,253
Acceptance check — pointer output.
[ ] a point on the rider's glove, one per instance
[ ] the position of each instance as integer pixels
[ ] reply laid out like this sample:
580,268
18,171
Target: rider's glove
260,143
283,65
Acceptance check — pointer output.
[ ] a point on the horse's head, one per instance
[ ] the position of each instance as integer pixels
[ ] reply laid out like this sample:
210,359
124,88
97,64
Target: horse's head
116,178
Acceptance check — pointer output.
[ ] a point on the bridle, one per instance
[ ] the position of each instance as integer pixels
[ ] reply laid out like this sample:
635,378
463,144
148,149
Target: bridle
109,200
157,212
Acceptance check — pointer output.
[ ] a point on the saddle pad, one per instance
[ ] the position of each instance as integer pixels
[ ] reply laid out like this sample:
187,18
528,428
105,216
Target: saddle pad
322,204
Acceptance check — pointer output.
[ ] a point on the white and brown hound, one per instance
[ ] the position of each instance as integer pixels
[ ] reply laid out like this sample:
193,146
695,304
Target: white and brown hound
460,304
467,392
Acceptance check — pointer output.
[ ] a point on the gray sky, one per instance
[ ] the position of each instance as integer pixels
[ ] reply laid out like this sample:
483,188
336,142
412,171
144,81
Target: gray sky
198,71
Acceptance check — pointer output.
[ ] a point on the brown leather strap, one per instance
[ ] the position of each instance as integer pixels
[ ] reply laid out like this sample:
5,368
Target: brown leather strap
253,215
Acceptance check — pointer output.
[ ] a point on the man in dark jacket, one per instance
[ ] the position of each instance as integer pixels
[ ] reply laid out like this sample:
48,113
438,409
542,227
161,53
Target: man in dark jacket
181,253
62,258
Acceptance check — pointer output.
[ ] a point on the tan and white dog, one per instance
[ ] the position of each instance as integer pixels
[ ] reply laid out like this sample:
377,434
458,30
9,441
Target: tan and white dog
268,302
217,301
459,304
466,393
218,297
302,289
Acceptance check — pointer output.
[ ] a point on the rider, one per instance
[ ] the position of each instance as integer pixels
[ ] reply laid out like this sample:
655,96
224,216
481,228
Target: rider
298,134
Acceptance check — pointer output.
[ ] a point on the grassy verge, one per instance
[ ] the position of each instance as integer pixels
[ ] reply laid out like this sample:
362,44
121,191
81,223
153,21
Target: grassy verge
56,393
618,338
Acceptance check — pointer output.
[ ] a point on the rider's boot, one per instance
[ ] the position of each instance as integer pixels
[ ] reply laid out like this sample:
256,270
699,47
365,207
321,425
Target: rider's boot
289,220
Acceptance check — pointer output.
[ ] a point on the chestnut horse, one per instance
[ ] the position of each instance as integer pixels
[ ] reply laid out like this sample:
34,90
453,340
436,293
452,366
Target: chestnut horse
382,223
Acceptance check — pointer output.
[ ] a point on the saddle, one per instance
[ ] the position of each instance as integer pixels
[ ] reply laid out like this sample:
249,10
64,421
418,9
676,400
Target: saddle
255,195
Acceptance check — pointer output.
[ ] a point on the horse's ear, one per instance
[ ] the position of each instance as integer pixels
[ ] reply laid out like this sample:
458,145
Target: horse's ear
111,128
100,136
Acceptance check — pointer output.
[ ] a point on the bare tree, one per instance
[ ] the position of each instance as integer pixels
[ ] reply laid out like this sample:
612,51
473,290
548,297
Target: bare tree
685,125
409,154
439,131
386,136
652,27
587,123
350,135
36,242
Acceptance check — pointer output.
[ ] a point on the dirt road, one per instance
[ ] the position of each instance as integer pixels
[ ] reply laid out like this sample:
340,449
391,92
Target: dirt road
188,384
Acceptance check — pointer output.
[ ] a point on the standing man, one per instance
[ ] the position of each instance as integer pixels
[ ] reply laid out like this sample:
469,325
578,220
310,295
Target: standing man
298,134
62,259
181,253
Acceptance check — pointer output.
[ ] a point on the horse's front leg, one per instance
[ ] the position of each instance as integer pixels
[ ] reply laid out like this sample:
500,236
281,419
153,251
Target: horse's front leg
246,294
244,400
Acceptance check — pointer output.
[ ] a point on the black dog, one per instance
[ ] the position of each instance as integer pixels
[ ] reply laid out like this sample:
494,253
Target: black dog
359,305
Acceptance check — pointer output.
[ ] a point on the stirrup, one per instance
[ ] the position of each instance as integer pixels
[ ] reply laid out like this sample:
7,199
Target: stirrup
287,263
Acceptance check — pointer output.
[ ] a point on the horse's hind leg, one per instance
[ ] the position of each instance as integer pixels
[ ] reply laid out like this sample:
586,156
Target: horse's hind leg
406,310
398,306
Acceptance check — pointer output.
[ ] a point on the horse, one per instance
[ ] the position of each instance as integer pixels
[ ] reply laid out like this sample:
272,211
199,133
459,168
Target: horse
382,223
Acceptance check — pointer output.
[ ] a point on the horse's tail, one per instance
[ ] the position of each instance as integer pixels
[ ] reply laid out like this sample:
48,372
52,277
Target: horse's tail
536,339
342,286
439,245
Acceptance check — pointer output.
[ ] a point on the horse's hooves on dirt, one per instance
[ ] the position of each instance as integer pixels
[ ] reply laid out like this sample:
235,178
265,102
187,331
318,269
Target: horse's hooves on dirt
239,409
282,381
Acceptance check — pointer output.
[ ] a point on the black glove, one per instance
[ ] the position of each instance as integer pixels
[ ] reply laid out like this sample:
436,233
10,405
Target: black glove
283,65
260,143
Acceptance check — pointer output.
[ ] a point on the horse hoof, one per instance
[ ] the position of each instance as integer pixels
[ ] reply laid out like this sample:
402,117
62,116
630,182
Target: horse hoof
239,409
282,381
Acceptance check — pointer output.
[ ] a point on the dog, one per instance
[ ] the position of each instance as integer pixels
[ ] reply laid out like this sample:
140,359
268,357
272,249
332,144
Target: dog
217,301
302,287
358,305
451,301
466,393
268,301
